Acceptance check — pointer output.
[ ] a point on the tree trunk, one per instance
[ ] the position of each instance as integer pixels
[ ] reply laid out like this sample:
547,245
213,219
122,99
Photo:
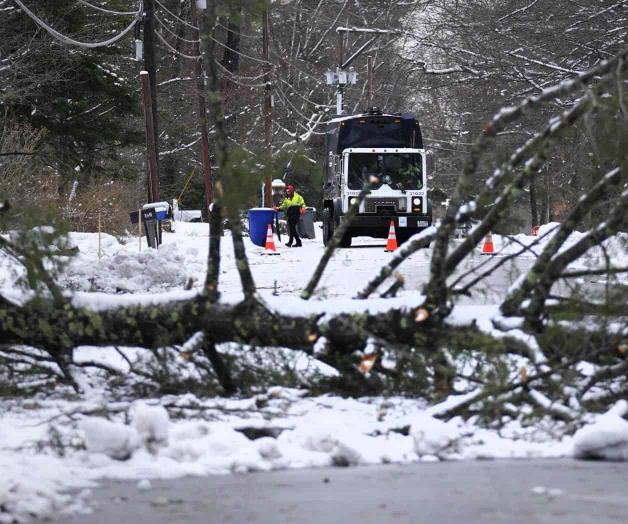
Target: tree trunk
534,212
545,203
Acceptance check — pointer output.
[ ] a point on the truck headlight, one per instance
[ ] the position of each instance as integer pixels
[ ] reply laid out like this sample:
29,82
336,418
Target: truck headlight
417,204
352,201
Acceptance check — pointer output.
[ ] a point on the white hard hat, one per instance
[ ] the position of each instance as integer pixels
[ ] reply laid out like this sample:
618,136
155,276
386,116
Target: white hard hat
278,183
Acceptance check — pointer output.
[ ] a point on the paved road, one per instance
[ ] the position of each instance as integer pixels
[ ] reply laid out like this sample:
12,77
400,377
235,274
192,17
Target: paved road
486,492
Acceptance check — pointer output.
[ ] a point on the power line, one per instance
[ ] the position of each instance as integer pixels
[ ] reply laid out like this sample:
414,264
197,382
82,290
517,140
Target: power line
164,25
175,16
222,44
240,53
98,8
256,37
70,41
175,51
234,78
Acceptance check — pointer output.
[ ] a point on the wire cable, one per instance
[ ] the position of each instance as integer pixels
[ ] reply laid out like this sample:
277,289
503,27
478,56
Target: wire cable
222,44
223,26
108,11
234,78
175,16
70,41
242,77
176,51
165,26
240,53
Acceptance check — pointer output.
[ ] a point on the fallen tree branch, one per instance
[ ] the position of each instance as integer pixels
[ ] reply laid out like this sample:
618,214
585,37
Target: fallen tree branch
331,246
516,296
419,241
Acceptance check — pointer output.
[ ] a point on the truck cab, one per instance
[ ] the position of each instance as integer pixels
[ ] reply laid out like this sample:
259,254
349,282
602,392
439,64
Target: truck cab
386,153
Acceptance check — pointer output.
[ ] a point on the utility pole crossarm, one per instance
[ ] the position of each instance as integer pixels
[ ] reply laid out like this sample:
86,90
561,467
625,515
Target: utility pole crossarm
341,78
347,63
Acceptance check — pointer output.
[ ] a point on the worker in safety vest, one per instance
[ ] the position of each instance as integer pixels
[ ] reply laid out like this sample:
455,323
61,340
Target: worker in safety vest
293,206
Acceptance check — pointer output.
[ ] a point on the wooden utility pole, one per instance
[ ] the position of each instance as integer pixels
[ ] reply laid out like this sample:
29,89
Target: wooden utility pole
341,48
202,112
151,68
370,81
268,107
340,87
153,178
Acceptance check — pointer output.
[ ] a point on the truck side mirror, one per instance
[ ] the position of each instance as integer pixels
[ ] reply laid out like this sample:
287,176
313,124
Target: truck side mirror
429,162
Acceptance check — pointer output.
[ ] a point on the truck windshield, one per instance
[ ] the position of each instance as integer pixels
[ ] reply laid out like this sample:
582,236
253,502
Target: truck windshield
397,170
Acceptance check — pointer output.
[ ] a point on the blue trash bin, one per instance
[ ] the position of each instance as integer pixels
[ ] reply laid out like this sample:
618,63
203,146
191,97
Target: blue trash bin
259,218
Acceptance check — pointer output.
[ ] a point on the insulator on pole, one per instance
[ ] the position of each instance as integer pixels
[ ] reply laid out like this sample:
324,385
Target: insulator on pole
139,50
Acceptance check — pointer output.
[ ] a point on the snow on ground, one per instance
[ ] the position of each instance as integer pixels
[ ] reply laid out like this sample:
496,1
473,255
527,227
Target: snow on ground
50,446
527,246
288,431
606,437
182,257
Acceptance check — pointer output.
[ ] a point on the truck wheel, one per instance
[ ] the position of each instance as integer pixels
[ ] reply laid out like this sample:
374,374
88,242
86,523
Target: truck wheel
345,241
328,226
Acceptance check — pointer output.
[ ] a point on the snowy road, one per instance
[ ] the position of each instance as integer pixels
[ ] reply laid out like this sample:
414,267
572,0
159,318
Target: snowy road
350,269
482,492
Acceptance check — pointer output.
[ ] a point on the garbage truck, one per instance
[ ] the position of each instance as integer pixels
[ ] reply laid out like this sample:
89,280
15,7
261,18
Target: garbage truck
384,154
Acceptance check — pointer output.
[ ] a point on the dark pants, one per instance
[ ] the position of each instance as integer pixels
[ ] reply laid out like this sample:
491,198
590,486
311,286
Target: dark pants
292,216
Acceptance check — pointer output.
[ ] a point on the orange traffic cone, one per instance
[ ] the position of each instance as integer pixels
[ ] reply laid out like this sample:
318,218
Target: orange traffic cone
391,245
269,248
488,248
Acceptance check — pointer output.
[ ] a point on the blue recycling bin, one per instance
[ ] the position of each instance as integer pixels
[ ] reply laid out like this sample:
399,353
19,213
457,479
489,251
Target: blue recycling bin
259,218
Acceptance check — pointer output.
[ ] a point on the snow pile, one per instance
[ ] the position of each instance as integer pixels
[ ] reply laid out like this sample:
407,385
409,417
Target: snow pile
434,438
128,270
332,445
149,428
606,438
87,244
37,486
292,432
113,439
268,449
202,449
29,496
152,424
280,429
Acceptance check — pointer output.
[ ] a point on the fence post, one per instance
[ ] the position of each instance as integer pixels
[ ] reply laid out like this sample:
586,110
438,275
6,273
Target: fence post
139,226
99,231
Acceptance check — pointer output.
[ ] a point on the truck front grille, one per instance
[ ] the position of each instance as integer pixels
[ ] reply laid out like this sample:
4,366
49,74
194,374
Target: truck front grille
384,205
